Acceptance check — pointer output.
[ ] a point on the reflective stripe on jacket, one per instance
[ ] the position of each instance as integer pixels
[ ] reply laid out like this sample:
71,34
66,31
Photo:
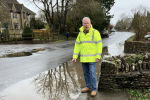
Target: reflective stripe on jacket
89,46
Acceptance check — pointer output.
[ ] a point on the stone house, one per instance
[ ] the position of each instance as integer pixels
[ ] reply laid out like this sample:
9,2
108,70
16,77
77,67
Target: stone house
14,15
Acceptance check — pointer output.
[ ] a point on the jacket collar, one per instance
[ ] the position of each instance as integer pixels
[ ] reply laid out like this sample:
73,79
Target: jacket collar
82,29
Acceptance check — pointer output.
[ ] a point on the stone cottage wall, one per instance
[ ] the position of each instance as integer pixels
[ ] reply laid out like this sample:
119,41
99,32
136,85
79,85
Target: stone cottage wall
112,78
136,47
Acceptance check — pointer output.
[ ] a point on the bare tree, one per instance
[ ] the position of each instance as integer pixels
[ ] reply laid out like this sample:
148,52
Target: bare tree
53,7
141,22
62,11
124,23
48,9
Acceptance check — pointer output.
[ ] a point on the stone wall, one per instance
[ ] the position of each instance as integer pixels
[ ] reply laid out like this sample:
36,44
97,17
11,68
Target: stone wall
4,15
121,81
136,47
117,76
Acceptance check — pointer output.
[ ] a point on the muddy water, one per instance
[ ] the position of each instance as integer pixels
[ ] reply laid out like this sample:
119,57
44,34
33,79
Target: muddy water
62,83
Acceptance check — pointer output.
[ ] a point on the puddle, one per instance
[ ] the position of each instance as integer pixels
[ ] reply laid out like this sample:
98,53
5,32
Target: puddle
21,54
114,50
62,83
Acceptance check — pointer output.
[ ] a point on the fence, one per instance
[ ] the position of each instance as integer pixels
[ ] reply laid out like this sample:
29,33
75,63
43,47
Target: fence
37,35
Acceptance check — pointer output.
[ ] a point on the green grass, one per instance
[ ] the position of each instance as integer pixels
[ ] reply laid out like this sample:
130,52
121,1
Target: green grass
139,95
113,61
136,94
130,39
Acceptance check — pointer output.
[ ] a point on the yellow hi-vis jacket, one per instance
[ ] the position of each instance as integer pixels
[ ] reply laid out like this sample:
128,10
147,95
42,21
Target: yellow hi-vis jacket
89,46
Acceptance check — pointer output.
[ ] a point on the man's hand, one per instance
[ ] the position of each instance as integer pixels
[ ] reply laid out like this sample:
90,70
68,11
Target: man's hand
74,59
96,60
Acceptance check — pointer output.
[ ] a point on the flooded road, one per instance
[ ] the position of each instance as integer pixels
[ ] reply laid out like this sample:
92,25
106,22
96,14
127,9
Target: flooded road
61,83
37,77
115,43
15,69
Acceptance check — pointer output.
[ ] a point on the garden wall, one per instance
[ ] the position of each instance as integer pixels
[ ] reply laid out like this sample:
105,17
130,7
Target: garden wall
113,78
136,47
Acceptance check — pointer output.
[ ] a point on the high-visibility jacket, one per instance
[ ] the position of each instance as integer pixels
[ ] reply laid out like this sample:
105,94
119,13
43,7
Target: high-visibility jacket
88,46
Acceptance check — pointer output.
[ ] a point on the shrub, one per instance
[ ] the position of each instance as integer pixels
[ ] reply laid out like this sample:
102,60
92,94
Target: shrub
133,59
27,34
129,60
139,57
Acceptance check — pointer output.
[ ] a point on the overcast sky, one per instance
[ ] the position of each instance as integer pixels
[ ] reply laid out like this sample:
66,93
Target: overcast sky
120,7
125,6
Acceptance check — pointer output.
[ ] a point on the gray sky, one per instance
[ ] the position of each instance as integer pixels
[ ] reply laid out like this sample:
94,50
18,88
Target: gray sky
120,7
125,6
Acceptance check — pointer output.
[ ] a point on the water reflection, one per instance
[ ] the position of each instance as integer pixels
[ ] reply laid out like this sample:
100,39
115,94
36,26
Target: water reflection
64,82
59,83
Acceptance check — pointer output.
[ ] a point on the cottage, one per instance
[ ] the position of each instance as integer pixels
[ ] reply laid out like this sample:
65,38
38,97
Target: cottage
14,15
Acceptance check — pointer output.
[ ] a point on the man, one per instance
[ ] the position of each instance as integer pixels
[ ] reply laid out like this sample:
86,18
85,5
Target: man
89,45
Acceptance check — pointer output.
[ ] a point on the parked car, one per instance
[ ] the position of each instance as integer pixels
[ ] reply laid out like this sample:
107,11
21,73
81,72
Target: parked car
112,30
147,37
104,33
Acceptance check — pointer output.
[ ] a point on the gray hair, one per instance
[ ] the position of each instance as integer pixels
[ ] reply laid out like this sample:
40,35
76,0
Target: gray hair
85,18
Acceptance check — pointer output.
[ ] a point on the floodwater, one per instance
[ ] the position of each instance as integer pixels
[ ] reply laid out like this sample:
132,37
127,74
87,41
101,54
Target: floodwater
64,82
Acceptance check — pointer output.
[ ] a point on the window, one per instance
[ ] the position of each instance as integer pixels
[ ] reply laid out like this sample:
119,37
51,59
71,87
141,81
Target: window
24,15
15,26
28,17
14,15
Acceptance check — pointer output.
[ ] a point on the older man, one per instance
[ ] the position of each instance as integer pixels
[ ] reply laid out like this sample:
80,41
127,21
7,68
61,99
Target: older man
89,45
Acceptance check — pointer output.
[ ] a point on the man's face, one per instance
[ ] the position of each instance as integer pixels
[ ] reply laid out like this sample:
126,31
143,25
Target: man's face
86,24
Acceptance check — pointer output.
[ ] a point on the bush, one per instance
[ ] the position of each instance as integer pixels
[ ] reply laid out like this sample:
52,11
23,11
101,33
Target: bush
27,34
